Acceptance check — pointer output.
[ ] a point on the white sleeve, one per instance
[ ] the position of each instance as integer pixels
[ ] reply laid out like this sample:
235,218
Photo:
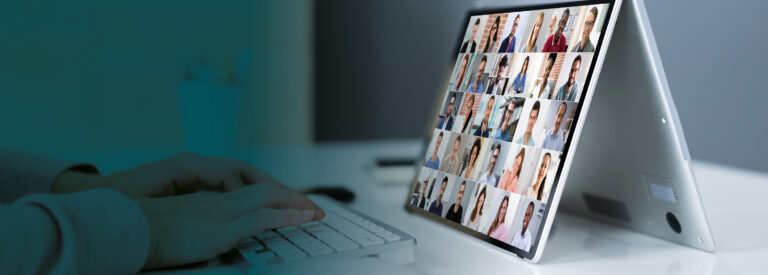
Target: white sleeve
25,173
94,232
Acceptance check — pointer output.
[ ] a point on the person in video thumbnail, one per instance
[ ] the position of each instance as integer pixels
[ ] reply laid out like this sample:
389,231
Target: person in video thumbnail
505,132
447,120
536,190
455,212
453,163
569,90
462,72
477,84
470,45
518,85
496,86
488,177
484,130
585,45
498,230
421,199
544,88
508,44
474,220
434,161
493,35
527,138
522,239
472,159
556,42
509,181
530,47
554,140
437,205
470,115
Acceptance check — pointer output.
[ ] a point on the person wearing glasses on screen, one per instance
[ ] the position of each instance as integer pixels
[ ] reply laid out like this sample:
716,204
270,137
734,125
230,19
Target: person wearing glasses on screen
470,115
453,163
434,161
554,140
522,239
455,212
477,84
488,177
518,85
484,130
447,120
493,35
510,178
474,220
569,90
469,45
496,86
437,205
527,138
556,42
508,44
505,132
462,72
530,47
470,165
544,86
536,190
585,45
498,230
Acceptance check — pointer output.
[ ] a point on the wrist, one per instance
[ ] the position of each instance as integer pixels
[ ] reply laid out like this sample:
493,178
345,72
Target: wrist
70,181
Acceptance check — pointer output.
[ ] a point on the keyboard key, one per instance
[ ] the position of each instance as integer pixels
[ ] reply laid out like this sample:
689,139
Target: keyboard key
250,244
261,258
389,236
315,247
287,229
268,234
289,253
364,238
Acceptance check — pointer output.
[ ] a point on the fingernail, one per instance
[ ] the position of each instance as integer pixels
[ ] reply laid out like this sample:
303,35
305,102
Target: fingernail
308,213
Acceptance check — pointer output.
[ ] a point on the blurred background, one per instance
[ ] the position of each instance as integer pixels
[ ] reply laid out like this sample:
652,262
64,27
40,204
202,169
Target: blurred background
116,77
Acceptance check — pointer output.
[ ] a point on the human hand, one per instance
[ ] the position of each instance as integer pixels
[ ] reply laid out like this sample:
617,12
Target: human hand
196,227
181,174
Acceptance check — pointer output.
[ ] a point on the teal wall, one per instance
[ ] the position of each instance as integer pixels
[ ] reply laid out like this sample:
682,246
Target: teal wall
104,76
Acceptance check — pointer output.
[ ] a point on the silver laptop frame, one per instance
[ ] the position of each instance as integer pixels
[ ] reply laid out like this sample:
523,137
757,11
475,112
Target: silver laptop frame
632,166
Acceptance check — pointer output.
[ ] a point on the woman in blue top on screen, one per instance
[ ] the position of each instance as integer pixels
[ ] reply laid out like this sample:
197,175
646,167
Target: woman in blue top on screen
503,132
518,85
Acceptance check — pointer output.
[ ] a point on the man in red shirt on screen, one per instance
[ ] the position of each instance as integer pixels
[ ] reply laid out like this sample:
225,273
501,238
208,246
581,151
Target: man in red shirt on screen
556,42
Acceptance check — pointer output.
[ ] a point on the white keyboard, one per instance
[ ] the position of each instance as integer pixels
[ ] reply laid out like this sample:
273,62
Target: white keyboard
341,232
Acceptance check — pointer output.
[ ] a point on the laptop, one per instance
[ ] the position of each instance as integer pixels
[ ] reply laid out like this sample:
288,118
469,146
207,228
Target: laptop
504,142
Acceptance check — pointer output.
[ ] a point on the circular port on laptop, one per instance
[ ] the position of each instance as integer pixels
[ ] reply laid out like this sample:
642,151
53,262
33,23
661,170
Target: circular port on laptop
674,223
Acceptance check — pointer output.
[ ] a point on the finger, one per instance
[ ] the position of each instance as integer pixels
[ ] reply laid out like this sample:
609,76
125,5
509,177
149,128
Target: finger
270,195
255,222
233,182
249,173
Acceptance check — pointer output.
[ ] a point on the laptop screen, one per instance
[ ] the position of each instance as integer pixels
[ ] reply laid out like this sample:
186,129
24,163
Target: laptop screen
499,141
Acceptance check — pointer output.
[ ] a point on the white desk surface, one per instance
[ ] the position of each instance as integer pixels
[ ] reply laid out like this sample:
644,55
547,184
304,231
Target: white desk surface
735,200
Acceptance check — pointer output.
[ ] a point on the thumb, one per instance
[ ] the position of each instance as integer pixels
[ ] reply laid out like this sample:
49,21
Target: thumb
255,222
